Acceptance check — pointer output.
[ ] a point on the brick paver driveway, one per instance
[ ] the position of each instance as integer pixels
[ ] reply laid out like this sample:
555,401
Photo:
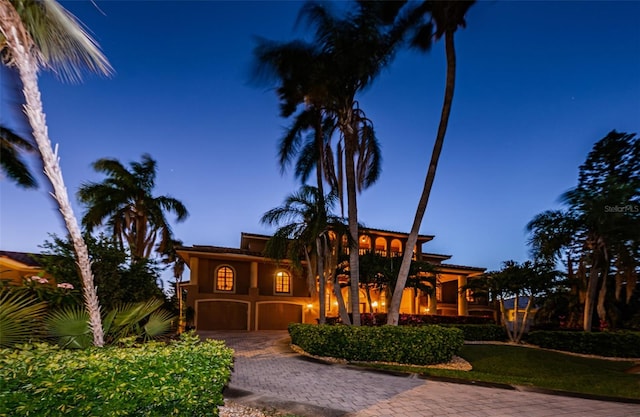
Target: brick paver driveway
268,374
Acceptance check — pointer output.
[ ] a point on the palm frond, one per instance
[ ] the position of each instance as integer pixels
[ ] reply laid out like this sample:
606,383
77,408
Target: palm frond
160,322
20,317
70,327
62,43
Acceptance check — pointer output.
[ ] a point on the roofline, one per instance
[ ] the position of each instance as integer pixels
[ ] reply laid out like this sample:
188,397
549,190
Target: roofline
394,233
225,253
436,255
470,271
360,229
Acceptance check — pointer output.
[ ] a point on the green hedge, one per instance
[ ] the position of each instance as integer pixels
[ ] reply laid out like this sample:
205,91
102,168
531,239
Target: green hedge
185,378
476,332
422,345
616,344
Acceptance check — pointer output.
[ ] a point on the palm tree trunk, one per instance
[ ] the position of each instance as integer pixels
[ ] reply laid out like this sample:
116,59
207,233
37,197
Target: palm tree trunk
592,287
505,322
632,281
352,213
527,310
331,265
322,318
319,138
602,297
516,318
394,308
27,68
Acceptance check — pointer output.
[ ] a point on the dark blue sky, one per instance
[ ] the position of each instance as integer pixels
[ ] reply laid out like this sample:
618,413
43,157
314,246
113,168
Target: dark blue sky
538,84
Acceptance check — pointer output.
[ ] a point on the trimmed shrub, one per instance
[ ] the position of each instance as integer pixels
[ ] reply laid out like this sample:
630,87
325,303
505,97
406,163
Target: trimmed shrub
622,344
476,332
184,378
380,319
419,345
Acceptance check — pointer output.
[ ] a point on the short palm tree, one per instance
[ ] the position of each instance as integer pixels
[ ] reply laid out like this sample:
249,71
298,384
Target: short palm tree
11,162
124,201
446,17
42,34
171,257
143,320
303,226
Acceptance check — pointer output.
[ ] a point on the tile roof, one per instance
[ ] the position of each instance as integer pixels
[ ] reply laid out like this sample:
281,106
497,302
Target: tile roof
219,249
26,258
469,268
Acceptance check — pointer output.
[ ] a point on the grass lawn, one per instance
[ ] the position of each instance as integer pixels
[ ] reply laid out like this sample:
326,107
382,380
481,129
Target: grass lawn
519,365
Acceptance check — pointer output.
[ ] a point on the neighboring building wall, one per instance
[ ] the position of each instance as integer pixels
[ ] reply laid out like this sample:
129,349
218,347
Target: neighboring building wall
14,266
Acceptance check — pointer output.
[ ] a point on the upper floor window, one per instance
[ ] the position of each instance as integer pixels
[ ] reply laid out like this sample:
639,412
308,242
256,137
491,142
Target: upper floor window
283,282
396,247
225,279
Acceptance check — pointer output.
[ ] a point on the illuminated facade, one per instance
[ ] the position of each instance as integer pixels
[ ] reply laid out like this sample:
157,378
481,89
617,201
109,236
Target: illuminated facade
241,289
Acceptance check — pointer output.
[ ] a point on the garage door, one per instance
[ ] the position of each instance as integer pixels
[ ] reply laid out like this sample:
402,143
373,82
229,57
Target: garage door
222,315
277,316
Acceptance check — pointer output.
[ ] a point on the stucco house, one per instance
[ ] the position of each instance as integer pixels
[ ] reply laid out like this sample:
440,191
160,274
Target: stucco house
241,289
14,266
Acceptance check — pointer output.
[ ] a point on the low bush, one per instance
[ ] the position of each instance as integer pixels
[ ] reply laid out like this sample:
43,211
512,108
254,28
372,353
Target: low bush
622,344
477,332
419,345
184,378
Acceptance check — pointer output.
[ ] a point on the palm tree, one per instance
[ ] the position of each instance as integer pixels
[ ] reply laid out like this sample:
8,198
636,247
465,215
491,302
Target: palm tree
447,17
42,34
552,234
125,202
349,51
303,231
14,167
171,257
609,178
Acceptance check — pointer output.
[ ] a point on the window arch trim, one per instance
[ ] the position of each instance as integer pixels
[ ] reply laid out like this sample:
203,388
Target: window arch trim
225,283
282,283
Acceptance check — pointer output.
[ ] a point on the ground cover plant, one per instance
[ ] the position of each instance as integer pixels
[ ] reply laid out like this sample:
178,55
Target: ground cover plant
519,365
183,378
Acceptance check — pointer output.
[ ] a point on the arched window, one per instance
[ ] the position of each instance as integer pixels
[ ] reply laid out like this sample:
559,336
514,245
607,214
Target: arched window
225,279
282,283
365,244
396,247
381,246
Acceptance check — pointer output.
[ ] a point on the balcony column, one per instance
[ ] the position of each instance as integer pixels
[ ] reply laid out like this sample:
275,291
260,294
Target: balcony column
463,309
253,279
193,267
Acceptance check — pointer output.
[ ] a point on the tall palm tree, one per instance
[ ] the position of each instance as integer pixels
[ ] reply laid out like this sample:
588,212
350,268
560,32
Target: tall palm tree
42,34
446,17
11,163
125,202
303,229
349,50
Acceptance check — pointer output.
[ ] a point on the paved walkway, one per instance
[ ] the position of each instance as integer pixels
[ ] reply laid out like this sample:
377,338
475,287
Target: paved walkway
268,374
